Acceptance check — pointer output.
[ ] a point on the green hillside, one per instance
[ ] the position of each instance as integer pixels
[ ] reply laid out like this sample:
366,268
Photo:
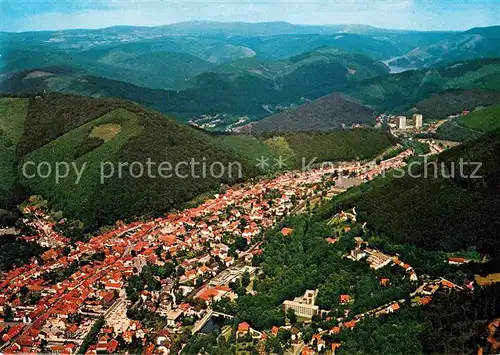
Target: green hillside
63,129
338,145
400,92
126,62
414,210
452,130
259,87
311,74
451,102
85,132
156,69
252,148
299,147
12,115
472,44
470,126
242,87
484,120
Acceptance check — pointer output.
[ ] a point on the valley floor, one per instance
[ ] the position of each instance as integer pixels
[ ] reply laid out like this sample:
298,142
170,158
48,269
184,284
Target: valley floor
87,279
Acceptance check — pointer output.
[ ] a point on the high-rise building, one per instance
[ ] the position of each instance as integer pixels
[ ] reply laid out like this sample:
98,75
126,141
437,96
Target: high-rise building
401,122
417,120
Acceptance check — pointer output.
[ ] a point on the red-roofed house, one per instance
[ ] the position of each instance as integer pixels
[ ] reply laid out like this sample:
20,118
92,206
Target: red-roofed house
335,346
457,261
112,346
344,299
243,329
350,325
335,330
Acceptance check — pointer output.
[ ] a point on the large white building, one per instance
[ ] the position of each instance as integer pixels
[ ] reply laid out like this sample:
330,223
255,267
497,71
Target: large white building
417,120
304,306
401,122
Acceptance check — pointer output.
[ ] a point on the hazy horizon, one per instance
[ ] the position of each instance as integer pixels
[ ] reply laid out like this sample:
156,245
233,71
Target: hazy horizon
417,15
240,22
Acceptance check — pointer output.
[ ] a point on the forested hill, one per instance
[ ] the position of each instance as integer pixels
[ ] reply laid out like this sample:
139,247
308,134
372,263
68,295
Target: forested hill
451,102
437,213
80,130
400,92
259,88
242,87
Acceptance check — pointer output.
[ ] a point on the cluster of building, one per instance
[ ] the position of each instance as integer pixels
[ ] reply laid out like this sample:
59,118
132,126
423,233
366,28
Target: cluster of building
401,122
423,294
398,161
90,277
54,302
377,259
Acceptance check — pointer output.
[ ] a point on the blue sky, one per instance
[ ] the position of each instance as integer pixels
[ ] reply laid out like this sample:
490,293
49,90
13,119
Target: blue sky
24,15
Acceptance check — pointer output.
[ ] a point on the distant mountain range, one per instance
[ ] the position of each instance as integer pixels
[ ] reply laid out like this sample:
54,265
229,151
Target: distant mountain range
400,92
250,87
244,87
250,70
480,42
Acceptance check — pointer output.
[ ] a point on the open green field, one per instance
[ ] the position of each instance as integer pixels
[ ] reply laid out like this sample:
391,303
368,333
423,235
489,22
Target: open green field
105,131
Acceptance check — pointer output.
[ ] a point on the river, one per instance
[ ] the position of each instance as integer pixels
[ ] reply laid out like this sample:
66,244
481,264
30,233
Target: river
396,69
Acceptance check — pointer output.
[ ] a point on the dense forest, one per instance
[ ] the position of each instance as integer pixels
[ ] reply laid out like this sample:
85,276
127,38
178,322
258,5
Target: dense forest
414,210
453,323
305,260
452,102
144,135
15,252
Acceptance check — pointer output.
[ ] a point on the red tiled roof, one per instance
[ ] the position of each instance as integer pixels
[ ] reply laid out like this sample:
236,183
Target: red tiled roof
335,330
447,283
208,294
243,327
351,324
345,298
